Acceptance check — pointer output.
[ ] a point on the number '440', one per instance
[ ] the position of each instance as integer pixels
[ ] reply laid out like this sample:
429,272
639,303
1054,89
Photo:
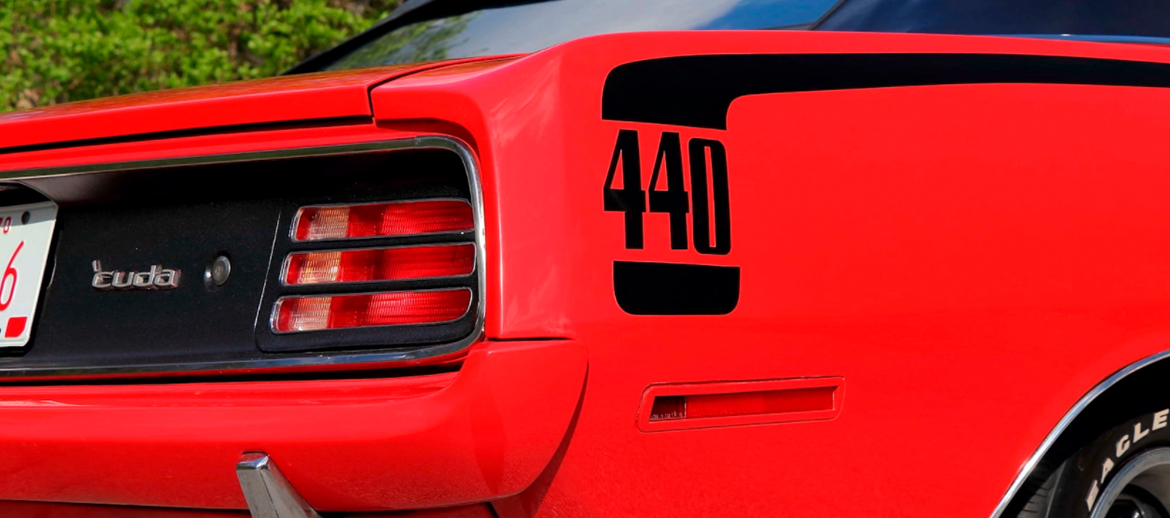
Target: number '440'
708,196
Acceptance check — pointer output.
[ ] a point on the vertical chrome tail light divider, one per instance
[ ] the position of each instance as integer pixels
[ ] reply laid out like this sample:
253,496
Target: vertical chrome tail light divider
268,493
282,362
475,193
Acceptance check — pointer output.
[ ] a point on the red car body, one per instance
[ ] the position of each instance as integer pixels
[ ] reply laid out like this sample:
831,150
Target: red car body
942,255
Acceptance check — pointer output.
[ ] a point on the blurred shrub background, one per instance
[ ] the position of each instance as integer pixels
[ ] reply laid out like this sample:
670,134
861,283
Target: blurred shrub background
57,51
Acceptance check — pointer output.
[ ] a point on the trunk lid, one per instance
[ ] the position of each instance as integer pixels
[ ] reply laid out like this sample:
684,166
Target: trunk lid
286,99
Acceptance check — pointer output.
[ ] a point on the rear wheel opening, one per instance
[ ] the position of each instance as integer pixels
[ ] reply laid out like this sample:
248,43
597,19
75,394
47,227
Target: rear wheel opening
1122,473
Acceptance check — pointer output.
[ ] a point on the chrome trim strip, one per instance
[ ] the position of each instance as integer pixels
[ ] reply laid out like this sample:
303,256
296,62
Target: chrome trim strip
249,156
1065,422
268,493
280,362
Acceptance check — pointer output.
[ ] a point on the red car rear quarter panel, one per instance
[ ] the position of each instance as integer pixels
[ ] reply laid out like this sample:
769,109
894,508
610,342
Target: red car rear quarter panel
486,432
971,258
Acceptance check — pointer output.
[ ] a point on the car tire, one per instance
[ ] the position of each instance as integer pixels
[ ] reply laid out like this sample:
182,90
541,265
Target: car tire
1124,472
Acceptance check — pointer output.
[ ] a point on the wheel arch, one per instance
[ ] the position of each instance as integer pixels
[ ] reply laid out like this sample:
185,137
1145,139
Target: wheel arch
1122,396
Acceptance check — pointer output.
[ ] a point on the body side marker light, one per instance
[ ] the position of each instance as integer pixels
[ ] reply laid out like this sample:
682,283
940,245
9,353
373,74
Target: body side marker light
742,403
315,313
706,405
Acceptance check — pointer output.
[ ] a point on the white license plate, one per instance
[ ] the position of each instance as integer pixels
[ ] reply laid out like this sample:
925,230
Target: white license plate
25,234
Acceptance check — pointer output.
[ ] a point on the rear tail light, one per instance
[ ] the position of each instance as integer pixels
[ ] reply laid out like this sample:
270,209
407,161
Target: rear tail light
379,264
294,314
382,219
413,267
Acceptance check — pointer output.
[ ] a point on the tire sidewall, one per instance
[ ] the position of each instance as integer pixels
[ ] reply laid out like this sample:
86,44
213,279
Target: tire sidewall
1097,464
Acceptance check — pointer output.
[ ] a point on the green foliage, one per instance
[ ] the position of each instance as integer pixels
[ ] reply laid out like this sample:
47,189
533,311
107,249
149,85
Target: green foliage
57,51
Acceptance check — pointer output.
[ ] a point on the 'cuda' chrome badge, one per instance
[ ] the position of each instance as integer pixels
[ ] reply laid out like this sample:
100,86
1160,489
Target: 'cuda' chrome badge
157,278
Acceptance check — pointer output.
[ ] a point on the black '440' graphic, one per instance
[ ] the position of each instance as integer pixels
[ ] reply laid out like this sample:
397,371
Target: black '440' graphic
653,288
668,194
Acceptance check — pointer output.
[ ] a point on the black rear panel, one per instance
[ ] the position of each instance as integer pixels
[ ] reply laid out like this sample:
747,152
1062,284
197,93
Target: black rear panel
182,218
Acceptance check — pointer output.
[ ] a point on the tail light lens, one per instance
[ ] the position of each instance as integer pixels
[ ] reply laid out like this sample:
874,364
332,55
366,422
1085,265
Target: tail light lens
379,264
295,314
382,219
349,270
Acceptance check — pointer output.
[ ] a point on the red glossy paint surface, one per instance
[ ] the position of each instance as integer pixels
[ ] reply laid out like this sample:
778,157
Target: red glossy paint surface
405,443
471,511
285,99
972,259
48,510
281,99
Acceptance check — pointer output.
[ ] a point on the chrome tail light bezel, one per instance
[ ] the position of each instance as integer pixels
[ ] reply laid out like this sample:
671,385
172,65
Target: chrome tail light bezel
404,337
